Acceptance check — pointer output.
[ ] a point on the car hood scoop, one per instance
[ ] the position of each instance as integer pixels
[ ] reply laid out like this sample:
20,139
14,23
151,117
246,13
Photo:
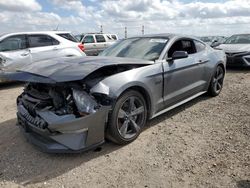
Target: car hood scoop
67,69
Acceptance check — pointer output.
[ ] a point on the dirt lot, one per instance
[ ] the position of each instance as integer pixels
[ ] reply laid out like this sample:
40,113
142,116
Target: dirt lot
204,143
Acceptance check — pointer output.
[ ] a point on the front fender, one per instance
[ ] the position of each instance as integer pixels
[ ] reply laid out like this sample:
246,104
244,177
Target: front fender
103,88
115,85
148,79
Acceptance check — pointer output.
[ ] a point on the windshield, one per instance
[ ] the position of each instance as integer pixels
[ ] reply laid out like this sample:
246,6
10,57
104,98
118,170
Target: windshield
139,48
79,37
238,39
206,39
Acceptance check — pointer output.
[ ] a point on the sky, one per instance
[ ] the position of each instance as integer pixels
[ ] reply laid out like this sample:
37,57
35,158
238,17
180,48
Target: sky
191,17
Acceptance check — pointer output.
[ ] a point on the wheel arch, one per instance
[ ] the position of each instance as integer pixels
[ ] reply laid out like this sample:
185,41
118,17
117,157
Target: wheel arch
145,95
113,91
222,66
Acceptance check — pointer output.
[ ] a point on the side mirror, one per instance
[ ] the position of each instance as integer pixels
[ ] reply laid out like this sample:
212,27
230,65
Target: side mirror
179,55
215,44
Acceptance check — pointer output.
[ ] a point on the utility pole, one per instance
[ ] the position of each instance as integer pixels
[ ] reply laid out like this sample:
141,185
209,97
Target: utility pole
101,29
56,29
142,30
126,33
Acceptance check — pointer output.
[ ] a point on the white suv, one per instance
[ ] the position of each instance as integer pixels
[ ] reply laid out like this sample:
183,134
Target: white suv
94,43
26,47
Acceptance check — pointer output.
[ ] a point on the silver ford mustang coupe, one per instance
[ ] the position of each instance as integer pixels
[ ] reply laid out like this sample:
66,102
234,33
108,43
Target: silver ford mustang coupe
74,104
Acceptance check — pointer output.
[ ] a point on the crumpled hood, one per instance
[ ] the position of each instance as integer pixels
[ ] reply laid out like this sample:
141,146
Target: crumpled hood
67,69
234,48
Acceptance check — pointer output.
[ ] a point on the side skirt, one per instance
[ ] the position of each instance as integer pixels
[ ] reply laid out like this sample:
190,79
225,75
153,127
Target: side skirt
178,104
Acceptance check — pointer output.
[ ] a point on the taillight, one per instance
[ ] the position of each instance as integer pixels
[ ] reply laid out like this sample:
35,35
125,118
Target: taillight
81,46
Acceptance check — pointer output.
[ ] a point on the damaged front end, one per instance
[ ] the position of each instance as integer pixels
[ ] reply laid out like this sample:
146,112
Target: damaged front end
62,117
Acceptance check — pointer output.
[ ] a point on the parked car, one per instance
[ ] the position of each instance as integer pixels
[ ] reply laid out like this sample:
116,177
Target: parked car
95,43
213,41
72,105
17,49
237,49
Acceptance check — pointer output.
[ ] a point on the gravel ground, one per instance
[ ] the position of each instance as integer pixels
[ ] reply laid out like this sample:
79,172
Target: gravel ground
204,143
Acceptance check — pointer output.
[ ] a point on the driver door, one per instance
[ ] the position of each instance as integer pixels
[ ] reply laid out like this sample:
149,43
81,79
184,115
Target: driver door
181,76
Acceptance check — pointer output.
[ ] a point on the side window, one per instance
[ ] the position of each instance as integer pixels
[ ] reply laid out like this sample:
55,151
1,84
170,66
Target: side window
54,41
13,43
89,39
177,46
100,38
41,40
68,36
182,45
109,37
188,46
114,37
199,46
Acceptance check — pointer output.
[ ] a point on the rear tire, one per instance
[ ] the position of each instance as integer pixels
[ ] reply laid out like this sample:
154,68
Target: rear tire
127,118
216,83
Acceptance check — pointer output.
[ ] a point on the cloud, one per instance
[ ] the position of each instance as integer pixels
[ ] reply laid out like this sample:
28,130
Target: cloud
156,15
216,10
164,10
75,5
20,5
26,21
174,15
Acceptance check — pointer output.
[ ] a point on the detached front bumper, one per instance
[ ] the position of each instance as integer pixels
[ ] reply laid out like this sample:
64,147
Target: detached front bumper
63,134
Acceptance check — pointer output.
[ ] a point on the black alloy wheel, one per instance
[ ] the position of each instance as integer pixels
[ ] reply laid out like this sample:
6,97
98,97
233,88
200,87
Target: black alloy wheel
128,118
217,81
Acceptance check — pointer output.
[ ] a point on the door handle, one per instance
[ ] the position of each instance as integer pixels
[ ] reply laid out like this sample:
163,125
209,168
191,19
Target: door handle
55,48
203,61
25,54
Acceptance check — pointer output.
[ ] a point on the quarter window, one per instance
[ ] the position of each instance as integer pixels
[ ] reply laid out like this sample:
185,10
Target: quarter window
41,40
100,38
199,46
68,36
114,37
12,43
89,39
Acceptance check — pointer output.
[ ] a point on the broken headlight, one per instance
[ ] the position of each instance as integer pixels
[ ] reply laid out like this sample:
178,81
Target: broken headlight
84,102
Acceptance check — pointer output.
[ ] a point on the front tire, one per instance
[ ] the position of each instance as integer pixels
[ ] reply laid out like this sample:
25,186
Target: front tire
128,118
217,82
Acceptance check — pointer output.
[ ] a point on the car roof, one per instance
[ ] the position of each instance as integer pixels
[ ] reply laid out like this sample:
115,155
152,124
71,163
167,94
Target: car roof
36,32
96,34
169,36
166,35
241,34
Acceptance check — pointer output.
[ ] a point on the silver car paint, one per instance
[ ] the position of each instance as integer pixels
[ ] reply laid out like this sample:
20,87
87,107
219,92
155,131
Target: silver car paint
165,84
173,81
